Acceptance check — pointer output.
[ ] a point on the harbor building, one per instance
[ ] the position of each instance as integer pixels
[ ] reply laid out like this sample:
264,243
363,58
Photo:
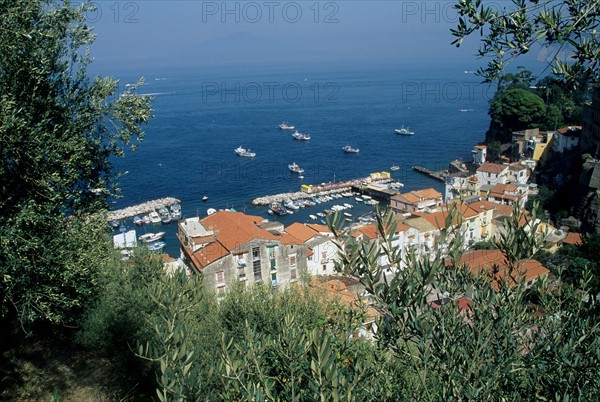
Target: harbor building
420,201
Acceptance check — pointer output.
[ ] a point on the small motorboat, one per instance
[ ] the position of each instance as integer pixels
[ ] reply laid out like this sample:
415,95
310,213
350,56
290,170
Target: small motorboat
151,237
358,199
348,215
205,198
394,168
404,131
295,168
146,219
313,217
157,246
138,220
211,211
244,152
349,150
300,137
154,217
285,126
115,223
175,212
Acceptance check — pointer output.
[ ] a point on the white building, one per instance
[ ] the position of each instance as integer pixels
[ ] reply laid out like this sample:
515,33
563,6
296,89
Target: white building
567,138
492,173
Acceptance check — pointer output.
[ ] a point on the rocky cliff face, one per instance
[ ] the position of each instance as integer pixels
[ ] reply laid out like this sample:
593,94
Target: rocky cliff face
588,209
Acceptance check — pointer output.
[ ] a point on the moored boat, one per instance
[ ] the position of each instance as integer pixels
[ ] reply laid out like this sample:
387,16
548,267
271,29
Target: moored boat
154,217
138,220
349,150
393,168
157,246
151,237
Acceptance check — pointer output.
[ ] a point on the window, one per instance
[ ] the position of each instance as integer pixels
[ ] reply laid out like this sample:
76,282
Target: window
255,253
242,273
273,264
221,291
220,277
257,271
292,273
274,277
324,267
272,251
293,260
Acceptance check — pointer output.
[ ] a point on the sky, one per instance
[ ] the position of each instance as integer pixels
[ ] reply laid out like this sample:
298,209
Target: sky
171,34
179,33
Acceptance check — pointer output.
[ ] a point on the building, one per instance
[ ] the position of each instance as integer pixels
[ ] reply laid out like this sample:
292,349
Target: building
567,138
508,194
420,200
493,264
518,173
492,173
479,154
229,247
322,251
463,187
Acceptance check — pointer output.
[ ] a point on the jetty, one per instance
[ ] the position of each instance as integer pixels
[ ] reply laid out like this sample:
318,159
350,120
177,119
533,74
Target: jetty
439,175
141,209
309,190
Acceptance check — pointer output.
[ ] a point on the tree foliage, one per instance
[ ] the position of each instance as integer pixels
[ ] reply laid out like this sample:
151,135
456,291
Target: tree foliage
58,130
564,26
517,109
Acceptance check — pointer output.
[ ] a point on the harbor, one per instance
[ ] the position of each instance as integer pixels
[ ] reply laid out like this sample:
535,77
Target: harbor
141,209
323,189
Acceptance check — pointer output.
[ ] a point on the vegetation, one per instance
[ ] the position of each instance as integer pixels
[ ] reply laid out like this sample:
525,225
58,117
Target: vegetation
168,338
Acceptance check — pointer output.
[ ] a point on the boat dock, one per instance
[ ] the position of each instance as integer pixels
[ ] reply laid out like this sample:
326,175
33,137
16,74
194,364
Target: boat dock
142,209
308,191
439,175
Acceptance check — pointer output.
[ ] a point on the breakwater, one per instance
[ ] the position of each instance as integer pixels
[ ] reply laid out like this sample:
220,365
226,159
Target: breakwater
439,175
141,209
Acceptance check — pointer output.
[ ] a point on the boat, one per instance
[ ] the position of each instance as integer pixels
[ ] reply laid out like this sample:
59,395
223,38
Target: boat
165,216
156,246
358,199
349,150
366,197
175,212
154,217
348,205
285,126
278,209
323,221
289,204
138,220
404,131
151,237
241,151
205,198
146,219
300,137
348,215
313,217
211,211
321,214
115,223
295,168
394,168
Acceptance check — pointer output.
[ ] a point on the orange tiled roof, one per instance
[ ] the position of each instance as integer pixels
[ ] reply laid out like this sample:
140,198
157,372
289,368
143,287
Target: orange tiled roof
428,193
492,168
504,188
301,231
480,146
570,130
288,239
209,254
319,228
573,238
414,197
234,229
485,260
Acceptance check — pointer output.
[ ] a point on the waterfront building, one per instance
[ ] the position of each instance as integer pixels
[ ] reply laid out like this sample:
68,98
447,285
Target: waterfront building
425,200
322,252
509,194
229,247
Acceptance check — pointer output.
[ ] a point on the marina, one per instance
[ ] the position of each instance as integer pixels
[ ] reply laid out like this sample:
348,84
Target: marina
142,209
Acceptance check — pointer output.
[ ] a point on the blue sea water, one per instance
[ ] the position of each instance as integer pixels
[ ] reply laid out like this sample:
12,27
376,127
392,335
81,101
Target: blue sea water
202,115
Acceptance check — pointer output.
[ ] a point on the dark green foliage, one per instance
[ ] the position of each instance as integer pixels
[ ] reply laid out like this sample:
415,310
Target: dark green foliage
58,129
517,109
494,150
580,264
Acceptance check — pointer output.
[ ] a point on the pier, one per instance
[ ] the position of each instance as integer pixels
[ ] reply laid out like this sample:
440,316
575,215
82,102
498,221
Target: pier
142,209
308,191
439,175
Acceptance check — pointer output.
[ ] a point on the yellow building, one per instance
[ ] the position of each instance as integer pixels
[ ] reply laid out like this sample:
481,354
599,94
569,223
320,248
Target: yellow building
542,148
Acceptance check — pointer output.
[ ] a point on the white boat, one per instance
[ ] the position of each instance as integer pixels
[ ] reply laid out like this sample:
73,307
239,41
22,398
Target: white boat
348,214
165,216
394,168
349,150
151,237
146,219
313,217
241,151
366,197
156,246
348,205
211,211
295,168
300,137
358,199
404,131
285,126
321,214
154,217
205,198
176,212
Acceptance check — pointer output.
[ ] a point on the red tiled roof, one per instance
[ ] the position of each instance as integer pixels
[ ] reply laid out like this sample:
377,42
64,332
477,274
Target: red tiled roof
211,253
301,231
288,239
492,168
234,229
573,238
485,260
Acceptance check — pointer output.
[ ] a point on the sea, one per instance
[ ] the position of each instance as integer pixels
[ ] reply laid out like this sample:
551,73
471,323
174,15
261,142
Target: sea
203,113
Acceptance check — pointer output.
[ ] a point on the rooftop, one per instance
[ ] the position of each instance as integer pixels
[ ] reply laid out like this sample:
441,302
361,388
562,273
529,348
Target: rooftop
489,167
